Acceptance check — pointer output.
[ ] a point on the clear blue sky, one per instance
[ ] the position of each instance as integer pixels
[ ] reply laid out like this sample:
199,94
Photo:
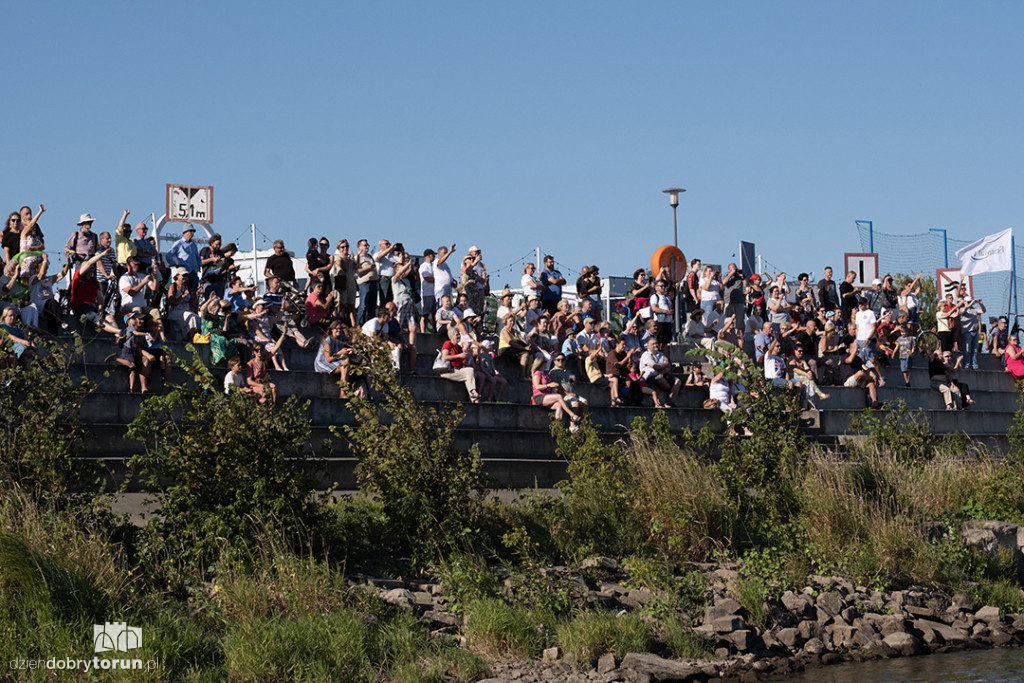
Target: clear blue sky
514,125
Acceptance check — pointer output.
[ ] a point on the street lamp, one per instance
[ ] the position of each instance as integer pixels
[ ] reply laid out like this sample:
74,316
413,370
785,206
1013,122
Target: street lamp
673,199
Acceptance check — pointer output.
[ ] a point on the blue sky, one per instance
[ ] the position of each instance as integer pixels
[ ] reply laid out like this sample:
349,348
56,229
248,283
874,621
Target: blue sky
517,125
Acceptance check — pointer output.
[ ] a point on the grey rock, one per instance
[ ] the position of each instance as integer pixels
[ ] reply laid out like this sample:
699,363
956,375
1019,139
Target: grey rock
999,637
612,676
842,635
726,607
829,602
744,640
640,596
850,615
936,633
1018,623
790,637
422,598
611,588
988,536
980,629
609,563
814,646
386,584
659,668
438,617
919,612
809,630
961,602
990,615
398,596
550,655
606,663
892,625
902,643
727,624
801,605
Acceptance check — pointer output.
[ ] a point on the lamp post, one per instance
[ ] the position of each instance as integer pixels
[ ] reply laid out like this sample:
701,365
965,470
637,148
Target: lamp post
673,199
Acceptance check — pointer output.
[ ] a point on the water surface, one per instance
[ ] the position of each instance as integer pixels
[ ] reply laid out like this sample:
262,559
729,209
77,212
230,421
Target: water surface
1003,665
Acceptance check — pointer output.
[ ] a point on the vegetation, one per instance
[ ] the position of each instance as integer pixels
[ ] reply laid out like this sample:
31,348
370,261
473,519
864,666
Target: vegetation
246,572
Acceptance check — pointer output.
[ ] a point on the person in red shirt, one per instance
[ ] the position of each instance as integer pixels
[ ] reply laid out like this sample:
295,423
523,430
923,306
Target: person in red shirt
85,291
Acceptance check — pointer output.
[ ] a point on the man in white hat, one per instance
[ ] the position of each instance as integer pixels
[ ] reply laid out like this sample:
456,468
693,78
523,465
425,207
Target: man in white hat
83,242
185,253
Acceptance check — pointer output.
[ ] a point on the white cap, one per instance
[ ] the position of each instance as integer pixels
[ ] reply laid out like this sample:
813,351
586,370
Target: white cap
876,281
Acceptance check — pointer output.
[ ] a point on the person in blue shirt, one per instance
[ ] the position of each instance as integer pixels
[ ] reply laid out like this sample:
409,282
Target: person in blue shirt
185,253
551,280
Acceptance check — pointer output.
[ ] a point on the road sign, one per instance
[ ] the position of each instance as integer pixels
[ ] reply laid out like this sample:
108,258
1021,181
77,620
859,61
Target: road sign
948,279
865,266
190,203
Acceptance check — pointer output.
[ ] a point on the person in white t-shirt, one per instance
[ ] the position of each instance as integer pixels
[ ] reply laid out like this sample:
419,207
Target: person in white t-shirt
866,322
656,371
442,274
529,282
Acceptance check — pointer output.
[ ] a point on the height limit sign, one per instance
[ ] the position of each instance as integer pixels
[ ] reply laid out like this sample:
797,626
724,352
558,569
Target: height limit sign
190,203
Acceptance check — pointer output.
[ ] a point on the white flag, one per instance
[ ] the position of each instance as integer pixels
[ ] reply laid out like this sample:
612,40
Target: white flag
992,254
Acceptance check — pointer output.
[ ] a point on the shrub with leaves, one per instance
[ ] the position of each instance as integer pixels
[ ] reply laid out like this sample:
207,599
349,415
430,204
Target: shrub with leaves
222,467
41,433
760,471
897,429
431,494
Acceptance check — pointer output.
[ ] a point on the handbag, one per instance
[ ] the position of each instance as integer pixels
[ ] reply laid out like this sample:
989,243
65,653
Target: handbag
200,338
440,364
710,404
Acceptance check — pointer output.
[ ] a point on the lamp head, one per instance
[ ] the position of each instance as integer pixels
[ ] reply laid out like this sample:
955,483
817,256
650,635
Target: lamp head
673,195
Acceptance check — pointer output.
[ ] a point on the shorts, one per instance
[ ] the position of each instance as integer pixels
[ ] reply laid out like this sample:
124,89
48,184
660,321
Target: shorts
852,382
906,364
406,314
427,306
537,399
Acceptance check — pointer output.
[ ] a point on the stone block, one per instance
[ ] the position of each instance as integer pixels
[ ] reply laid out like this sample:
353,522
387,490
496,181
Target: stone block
659,668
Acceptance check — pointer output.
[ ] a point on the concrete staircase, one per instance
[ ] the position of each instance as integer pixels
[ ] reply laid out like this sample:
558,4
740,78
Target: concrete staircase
513,436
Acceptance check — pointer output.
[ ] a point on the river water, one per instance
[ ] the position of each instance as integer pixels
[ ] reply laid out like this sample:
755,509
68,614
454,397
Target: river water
1003,665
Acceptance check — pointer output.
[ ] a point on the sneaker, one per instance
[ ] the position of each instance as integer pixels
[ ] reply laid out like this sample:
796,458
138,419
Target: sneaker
574,427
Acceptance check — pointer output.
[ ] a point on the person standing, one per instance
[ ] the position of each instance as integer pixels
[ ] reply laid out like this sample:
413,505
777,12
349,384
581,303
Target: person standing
427,302
366,283
970,326
827,294
185,253
83,242
552,282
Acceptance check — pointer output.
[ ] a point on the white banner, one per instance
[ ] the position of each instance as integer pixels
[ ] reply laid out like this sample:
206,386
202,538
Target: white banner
991,254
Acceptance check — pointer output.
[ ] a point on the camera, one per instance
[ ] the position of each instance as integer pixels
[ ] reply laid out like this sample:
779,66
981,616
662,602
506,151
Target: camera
398,248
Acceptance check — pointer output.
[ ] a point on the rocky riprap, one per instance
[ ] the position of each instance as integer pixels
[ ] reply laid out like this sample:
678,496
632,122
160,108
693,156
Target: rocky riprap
829,620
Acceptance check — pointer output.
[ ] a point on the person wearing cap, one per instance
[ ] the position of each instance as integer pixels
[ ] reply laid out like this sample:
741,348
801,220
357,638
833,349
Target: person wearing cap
185,253
428,304
83,242
999,337
123,243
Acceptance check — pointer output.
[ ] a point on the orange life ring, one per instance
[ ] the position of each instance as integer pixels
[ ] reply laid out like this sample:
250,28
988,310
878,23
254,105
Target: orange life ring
663,258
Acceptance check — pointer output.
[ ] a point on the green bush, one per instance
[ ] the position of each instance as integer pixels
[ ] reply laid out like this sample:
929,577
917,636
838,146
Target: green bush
225,470
430,493
41,433
682,641
897,430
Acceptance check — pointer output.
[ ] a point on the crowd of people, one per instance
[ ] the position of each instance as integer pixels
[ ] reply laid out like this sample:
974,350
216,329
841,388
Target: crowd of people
805,336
